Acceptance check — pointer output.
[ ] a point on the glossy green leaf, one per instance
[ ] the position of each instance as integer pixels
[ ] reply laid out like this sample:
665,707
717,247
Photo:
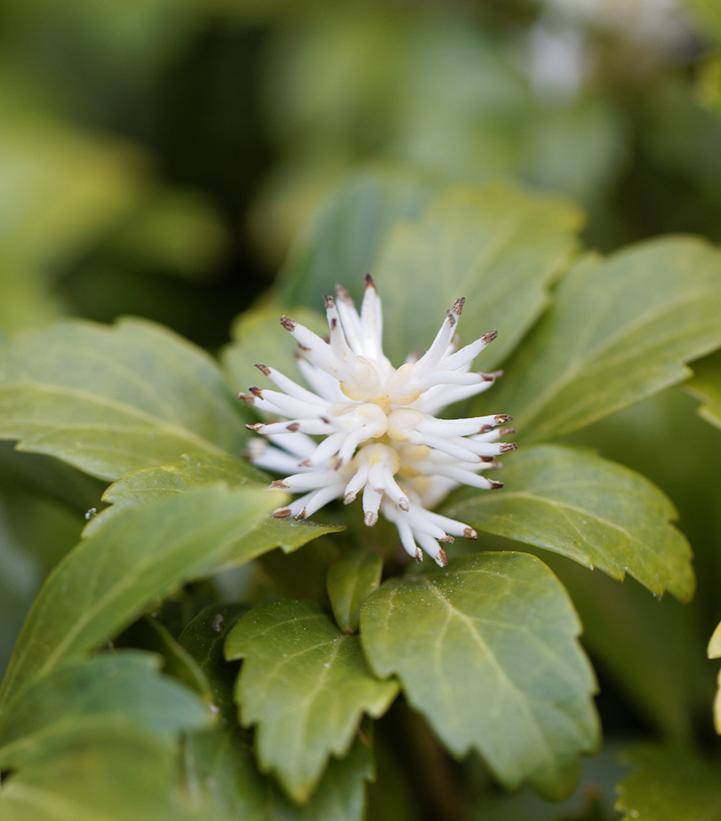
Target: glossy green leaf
619,330
112,692
115,778
706,386
305,685
669,784
190,473
350,581
342,242
589,509
496,245
486,649
109,400
258,337
107,581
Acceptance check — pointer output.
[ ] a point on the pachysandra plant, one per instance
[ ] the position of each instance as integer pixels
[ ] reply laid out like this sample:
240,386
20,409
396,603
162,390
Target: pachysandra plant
381,436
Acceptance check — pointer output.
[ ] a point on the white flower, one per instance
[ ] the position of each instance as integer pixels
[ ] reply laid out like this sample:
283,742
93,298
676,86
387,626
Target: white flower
380,436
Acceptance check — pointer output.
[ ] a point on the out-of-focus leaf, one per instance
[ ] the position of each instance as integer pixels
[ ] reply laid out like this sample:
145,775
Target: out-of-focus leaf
112,576
596,512
305,685
113,692
714,652
123,778
258,338
706,386
350,581
486,649
619,330
109,400
191,473
172,230
496,245
342,243
669,784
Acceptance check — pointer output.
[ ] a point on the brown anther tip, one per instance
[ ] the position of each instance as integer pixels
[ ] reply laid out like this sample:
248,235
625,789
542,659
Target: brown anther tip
256,392
293,427
458,305
351,497
287,323
442,558
244,397
264,369
333,324
369,281
507,447
447,539
495,485
328,301
485,428
256,427
487,459
507,431
278,484
302,515
419,555
491,377
489,336
281,513
304,464
342,292
470,533
502,418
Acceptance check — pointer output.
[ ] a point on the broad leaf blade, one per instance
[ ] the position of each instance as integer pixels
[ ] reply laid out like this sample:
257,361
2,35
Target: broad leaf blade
619,330
107,581
594,511
109,400
341,243
305,685
111,692
486,649
496,245
191,473
123,778
350,581
706,386
669,785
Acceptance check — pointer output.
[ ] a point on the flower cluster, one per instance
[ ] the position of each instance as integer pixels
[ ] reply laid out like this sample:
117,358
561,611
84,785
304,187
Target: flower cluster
380,436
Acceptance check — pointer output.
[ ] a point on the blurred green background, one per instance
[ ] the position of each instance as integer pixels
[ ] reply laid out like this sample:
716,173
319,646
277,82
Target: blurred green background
159,158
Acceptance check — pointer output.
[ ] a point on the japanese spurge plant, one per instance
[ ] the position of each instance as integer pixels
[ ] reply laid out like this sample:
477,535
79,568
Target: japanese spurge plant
382,438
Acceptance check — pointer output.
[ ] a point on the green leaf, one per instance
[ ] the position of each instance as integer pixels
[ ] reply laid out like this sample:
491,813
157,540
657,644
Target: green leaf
191,473
669,784
706,386
594,511
107,581
112,778
109,400
619,330
350,581
305,685
714,652
225,785
486,649
494,244
259,338
341,243
114,692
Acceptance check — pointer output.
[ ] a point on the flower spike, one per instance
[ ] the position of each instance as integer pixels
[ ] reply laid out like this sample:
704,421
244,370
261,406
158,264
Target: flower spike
380,437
